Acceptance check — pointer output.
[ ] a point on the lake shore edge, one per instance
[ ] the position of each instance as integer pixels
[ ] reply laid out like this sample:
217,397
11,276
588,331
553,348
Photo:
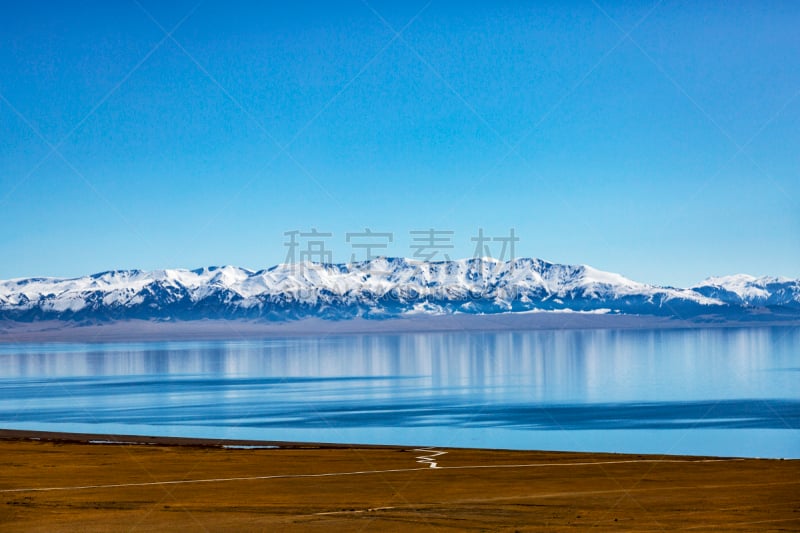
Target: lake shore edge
48,331
91,439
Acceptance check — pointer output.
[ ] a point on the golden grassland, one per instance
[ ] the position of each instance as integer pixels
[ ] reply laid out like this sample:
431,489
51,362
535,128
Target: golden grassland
163,484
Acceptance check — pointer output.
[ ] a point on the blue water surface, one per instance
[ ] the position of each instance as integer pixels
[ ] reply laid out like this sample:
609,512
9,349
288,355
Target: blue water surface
716,391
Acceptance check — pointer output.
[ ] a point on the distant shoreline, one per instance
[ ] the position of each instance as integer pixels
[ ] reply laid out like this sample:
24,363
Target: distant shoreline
120,439
144,330
105,439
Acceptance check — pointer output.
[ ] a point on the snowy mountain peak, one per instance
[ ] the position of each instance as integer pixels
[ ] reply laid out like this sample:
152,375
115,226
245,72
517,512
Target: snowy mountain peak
744,289
380,288
742,279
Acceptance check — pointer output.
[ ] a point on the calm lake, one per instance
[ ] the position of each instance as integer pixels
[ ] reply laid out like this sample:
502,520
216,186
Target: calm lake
730,392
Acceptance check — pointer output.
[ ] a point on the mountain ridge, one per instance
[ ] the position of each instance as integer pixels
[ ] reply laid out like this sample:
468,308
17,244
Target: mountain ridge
383,288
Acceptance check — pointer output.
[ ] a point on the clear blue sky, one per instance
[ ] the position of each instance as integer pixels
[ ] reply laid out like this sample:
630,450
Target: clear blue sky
658,140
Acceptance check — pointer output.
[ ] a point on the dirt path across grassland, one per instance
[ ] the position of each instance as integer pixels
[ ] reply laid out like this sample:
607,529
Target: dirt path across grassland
62,482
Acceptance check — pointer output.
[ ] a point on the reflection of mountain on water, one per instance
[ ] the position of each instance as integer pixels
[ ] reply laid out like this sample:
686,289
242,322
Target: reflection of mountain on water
525,381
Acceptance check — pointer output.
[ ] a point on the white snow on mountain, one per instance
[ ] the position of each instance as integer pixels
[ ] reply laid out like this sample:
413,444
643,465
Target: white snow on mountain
750,290
381,287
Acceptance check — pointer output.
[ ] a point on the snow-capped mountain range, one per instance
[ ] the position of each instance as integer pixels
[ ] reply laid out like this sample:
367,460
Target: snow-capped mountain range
383,288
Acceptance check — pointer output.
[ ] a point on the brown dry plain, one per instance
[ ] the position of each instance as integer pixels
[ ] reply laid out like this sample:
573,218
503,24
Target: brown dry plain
61,482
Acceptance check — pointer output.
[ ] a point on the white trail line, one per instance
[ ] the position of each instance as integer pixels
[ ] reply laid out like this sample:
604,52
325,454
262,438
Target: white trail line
429,459
355,473
356,511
